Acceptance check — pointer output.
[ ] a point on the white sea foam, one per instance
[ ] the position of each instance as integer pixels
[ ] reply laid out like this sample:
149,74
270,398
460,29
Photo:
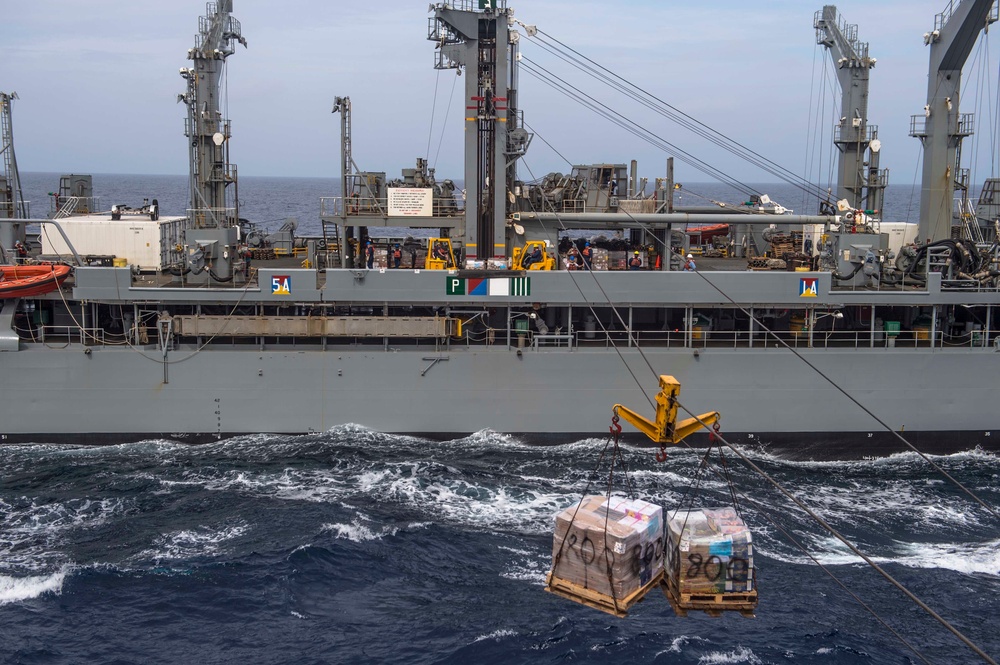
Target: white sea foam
678,643
297,615
17,589
357,532
202,541
740,654
966,558
496,635
32,532
532,571
982,558
488,438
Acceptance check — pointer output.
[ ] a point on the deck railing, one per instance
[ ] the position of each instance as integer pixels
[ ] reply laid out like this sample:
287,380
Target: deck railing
734,339
366,206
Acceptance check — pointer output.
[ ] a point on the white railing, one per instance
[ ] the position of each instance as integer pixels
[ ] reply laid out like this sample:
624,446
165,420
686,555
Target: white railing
73,335
735,339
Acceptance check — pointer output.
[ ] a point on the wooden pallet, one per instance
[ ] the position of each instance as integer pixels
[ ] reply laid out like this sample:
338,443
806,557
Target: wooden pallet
713,604
598,601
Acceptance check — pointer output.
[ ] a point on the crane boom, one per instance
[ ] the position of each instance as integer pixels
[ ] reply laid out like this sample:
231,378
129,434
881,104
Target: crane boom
859,179
12,205
942,127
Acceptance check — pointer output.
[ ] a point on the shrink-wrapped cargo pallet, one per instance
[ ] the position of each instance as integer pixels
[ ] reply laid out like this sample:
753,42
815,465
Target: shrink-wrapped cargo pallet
618,260
607,553
600,259
709,562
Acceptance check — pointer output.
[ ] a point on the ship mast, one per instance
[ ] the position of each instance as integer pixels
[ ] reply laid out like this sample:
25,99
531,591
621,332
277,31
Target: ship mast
212,233
941,127
208,132
12,205
475,34
859,179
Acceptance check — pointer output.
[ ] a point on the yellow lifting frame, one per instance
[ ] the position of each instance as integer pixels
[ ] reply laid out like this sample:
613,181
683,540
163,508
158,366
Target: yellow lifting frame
666,429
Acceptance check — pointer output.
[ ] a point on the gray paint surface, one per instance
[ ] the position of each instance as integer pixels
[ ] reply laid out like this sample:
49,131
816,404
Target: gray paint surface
542,391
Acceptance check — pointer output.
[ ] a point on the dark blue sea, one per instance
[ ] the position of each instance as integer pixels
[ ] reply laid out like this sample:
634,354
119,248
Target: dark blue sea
359,547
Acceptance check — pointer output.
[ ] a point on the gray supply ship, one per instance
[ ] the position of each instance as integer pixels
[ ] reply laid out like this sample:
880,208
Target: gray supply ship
509,305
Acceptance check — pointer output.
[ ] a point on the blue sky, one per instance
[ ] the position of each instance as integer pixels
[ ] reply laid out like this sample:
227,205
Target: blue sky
98,83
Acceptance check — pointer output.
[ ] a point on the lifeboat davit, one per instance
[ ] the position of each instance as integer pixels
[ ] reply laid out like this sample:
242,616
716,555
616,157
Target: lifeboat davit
27,281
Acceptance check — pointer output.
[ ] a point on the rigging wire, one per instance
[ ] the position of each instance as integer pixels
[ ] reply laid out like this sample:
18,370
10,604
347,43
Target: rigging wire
762,510
666,252
430,129
836,534
85,334
444,126
809,125
995,128
634,128
833,152
834,384
649,105
819,136
675,114
755,467
542,139
979,65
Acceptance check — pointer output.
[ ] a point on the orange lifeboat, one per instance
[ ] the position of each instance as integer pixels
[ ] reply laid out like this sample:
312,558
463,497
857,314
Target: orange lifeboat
708,231
27,281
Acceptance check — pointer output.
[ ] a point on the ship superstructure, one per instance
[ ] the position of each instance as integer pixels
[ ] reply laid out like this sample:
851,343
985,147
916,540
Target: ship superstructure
494,315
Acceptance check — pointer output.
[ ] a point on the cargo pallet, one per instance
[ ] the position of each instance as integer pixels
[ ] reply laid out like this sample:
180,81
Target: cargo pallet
599,601
713,604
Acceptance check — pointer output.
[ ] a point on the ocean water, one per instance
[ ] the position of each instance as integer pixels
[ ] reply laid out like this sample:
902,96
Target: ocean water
353,546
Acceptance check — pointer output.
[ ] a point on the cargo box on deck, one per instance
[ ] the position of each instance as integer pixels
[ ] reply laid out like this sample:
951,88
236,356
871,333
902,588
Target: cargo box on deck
709,562
599,535
147,244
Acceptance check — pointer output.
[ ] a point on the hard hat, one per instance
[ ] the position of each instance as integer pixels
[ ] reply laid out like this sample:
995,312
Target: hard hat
689,256
586,244
637,252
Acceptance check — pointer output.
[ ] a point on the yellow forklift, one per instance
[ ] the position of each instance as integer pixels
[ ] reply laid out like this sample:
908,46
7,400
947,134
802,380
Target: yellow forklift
440,255
523,257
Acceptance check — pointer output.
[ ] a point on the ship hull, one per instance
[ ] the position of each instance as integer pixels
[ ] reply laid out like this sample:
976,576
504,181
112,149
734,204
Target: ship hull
939,400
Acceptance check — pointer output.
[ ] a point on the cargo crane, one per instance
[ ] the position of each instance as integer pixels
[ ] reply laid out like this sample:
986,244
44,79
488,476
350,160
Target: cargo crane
941,127
859,179
12,205
479,39
212,233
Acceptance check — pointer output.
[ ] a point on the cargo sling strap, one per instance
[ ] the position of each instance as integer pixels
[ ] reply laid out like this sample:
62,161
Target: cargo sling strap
614,459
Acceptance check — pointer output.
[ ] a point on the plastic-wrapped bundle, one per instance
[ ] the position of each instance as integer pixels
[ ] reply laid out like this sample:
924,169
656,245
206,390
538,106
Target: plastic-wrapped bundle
709,551
607,553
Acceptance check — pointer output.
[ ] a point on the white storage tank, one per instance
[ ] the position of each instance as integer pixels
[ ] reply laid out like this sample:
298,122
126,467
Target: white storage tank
900,233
